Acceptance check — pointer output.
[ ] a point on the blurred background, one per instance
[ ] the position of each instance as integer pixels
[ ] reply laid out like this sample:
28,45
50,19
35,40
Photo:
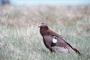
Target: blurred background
45,2
20,38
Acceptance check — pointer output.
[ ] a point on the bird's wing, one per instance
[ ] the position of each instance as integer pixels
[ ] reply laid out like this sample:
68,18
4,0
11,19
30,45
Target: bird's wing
61,42
53,34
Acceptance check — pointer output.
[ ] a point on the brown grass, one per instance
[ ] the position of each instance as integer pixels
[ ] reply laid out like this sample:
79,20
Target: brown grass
19,33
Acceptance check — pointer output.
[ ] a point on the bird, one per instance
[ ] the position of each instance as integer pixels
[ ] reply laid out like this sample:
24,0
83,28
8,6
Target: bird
55,42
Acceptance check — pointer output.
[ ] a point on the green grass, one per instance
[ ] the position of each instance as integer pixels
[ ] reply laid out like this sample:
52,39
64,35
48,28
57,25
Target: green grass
20,38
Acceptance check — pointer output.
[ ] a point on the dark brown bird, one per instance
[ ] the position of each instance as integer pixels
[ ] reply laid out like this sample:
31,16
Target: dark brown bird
54,42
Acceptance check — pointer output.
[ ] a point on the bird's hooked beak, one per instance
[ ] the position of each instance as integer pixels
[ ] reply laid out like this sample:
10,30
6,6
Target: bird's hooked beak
39,26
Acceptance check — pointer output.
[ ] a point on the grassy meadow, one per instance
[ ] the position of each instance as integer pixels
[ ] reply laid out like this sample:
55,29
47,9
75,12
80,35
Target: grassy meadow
20,38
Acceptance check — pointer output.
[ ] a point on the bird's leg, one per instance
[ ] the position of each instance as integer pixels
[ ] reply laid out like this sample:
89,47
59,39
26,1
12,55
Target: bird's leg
52,50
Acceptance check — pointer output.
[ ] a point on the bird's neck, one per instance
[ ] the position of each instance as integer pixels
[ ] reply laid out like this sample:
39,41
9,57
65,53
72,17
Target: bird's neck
44,31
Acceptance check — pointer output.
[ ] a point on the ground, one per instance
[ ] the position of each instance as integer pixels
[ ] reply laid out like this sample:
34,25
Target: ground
20,38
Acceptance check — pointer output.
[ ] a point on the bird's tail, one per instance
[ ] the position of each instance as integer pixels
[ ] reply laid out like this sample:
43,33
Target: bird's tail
74,49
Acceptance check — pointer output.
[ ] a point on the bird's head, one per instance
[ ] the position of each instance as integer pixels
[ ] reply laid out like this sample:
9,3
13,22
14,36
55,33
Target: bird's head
43,29
43,26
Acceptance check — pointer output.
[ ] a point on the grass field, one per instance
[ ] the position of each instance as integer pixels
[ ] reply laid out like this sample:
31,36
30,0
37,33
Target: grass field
20,38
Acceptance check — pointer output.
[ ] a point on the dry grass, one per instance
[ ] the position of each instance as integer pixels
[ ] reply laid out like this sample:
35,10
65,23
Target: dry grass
19,32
